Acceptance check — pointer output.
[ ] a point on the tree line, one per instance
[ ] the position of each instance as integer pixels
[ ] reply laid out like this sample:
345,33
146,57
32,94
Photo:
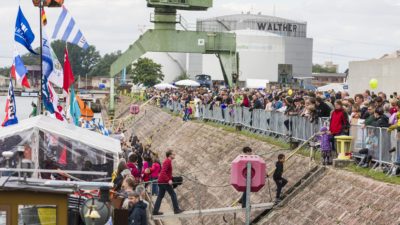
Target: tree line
89,62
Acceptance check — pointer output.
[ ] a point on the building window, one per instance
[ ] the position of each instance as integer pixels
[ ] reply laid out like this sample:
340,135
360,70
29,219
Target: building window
37,214
5,215
104,81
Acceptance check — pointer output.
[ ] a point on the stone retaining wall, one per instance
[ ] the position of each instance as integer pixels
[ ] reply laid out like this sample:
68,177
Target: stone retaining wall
204,153
341,197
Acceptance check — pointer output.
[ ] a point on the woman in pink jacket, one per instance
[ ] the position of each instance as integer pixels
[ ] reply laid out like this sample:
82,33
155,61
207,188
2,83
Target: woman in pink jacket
154,172
147,163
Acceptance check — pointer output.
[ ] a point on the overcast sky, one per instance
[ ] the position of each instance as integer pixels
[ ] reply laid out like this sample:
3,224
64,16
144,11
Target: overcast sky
343,30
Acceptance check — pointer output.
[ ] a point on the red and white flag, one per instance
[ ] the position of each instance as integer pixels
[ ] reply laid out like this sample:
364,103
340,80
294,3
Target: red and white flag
54,101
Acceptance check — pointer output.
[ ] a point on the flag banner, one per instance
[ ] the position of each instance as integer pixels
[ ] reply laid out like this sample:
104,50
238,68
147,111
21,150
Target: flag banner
19,71
46,97
44,17
68,78
11,109
54,101
75,111
47,66
67,30
23,32
46,55
102,129
57,75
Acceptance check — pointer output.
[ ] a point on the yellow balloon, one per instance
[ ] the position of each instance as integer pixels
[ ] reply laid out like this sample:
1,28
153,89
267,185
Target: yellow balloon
290,92
373,83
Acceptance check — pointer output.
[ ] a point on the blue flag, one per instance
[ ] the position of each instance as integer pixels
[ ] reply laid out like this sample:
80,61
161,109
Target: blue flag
11,109
23,32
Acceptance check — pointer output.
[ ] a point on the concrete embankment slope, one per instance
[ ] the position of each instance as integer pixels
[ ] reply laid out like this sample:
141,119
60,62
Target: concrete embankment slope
340,197
205,153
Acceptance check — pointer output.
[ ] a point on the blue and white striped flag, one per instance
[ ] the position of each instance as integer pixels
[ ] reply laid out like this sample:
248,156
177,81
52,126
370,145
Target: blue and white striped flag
67,30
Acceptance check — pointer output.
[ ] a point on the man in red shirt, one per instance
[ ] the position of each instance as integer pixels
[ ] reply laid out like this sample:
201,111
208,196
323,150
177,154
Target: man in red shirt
165,185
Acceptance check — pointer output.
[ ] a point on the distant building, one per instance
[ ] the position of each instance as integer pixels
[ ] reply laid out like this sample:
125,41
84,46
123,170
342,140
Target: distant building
270,48
385,69
96,82
34,76
321,79
4,81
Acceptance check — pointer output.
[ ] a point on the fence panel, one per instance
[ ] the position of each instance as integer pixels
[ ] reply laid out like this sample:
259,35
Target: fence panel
378,140
265,119
246,117
386,145
256,119
238,115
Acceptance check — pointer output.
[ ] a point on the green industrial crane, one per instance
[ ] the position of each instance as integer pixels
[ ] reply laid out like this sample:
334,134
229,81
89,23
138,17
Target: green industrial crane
165,38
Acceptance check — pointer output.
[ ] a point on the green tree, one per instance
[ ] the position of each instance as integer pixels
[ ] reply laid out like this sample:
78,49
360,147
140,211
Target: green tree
31,59
5,71
147,72
82,60
182,76
321,69
102,68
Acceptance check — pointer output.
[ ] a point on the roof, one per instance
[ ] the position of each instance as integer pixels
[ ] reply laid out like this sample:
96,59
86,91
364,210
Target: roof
249,16
329,74
70,131
392,55
34,185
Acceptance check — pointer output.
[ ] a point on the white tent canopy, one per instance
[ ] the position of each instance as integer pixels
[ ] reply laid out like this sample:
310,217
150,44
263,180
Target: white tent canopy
329,87
70,131
256,83
80,141
190,83
164,86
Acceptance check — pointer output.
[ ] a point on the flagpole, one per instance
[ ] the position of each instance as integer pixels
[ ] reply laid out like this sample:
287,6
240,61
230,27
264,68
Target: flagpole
40,105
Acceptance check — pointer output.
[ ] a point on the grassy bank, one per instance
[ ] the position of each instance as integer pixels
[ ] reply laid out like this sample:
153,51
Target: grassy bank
305,151
376,175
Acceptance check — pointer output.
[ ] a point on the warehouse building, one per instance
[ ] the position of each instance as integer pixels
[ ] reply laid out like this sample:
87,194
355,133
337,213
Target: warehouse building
270,48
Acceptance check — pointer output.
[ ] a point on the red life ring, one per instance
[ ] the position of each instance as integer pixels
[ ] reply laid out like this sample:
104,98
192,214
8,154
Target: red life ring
134,109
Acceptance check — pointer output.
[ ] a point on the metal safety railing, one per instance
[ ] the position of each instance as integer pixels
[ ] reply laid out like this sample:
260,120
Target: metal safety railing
383,146
298,128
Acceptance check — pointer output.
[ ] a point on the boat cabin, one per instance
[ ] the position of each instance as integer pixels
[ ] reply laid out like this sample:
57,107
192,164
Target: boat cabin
22,203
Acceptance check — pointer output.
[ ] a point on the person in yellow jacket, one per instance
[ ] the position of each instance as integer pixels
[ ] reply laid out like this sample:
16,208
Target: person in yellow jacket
395,126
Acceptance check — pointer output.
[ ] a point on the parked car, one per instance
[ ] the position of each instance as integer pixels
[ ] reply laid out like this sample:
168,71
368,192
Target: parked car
204,80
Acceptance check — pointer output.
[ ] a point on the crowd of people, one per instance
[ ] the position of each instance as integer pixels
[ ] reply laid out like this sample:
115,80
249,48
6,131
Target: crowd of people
367,109
140,169
375,108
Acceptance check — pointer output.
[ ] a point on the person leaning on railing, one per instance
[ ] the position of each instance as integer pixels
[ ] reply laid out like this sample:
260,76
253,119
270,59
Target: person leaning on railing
290,111
323,110
339,122
370,118
380,120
